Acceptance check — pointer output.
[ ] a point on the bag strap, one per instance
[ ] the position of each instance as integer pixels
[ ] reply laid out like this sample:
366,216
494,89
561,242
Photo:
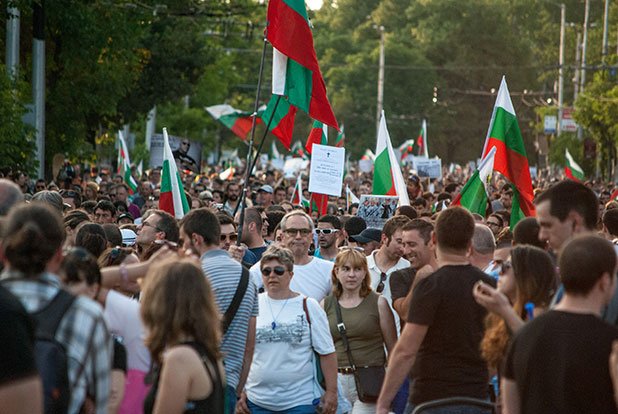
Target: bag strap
230,313
306,310
49,317
343,333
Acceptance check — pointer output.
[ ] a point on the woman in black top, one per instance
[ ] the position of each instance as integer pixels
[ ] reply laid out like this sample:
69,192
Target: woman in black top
180,314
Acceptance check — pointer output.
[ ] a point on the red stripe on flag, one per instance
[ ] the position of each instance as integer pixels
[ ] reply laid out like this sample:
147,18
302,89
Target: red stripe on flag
242,127
321,202
285,128
569,174
166,202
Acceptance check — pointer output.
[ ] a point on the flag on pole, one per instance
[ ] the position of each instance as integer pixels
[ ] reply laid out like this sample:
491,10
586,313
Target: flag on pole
473,196
421,141
317,135
140,169
238,121
572,169
350,198
296,72
368,155
387,177
510,159
297,151
124,164
340,141
297,196
282,123
407,148
172,198
319,203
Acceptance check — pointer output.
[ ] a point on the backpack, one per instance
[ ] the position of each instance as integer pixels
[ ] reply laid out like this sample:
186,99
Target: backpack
50,355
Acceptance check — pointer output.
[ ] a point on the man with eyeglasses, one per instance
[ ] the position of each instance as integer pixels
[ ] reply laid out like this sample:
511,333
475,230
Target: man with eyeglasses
157,225
201,234
182,157
329,236
312,275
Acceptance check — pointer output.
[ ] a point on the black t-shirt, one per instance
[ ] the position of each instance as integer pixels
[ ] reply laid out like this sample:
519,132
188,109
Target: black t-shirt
560,362
17,339
120,356
401,281
449,362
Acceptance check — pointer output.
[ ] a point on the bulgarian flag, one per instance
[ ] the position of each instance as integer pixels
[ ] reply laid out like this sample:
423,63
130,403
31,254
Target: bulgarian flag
318,135
407,148
319,203
340,141
124,164
279,117
387,177
297,196
350,198
368,155
238,121
421,141
572,170
297,151
172,198
296,73
510,159
473,196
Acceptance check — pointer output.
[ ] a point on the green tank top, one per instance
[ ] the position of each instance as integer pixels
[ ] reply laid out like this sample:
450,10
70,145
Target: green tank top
363,331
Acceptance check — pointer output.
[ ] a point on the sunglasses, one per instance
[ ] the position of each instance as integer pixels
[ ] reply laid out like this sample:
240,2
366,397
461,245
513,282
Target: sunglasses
278,270
326,231
294,232
380,287
232,237
355,248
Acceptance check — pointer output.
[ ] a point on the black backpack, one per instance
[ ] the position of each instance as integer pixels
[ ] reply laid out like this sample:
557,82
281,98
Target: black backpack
50,355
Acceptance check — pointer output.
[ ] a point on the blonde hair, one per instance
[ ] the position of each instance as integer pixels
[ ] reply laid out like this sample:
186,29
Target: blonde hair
178,301
281,254
355,259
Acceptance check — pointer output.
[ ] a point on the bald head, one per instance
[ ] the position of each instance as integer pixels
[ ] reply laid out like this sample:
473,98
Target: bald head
10,194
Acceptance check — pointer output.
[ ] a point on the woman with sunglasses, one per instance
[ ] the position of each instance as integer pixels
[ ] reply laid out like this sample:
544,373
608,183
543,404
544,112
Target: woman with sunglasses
526,285
368,320
289,329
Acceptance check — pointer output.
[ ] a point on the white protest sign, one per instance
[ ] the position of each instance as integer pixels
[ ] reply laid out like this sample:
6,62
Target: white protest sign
431,168
293,165
326,173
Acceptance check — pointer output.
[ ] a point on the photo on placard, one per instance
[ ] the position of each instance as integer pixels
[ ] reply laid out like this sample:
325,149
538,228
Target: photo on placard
376,209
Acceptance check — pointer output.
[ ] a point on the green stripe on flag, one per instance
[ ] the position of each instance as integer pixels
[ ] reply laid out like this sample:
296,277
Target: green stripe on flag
516,213
382,176
298,85
298,6
473,195
506,129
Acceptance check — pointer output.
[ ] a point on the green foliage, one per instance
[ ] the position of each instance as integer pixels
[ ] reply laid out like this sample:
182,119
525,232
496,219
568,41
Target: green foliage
17,141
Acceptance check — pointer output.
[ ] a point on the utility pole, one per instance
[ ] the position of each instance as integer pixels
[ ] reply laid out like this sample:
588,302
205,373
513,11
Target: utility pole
582,80
151,123
605,31
38,80
380,81
577,65
12,41
561,68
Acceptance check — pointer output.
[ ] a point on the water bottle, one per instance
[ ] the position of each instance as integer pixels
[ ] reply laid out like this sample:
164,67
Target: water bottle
317,403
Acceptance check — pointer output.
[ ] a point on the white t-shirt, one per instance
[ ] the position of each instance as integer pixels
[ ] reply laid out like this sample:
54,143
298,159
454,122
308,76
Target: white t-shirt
122,316
281,375
312,280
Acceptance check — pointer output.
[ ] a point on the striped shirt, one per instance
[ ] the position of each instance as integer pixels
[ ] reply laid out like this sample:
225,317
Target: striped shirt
223,272
83,333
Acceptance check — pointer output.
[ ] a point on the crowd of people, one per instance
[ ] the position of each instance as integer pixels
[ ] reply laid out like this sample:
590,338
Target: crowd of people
112,305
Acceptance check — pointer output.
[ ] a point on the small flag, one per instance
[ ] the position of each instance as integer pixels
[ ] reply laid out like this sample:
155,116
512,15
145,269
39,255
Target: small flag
319,203
124,165
297,151
368,155
340,141
473,196
572,170
297,196
238,121
140,169
421,141
387,177
318,135
172,198
350,198
407,148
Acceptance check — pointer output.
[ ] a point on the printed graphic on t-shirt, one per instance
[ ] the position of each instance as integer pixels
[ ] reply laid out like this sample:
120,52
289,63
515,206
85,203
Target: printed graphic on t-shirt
288,332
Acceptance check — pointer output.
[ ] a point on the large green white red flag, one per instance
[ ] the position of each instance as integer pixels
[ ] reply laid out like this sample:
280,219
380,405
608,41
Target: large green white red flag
279,117
172,198
510,160
387,177
238,121
572,169
124,164
473,196
296,72
317,135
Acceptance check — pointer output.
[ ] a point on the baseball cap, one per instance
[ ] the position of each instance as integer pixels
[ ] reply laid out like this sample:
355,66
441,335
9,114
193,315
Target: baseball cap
125,215
128,237
266,188
368,235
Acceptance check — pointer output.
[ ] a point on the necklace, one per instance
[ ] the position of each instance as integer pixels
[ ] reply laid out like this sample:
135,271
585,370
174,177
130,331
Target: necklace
273,325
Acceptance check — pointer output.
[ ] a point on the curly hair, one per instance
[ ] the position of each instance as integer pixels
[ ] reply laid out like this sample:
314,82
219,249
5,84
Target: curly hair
353,258
535,280
178,301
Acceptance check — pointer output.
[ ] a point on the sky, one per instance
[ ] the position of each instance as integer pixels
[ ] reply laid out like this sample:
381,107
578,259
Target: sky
314,4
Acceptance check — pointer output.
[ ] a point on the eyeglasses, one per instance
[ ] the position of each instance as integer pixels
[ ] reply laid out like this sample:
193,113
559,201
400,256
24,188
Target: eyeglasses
279,271
294,232
146,224
326,231
505,266
355,248
188,144
232,237
380,287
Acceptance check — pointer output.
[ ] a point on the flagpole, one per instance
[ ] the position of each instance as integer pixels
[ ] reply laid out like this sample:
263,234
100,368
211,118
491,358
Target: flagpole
243,194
